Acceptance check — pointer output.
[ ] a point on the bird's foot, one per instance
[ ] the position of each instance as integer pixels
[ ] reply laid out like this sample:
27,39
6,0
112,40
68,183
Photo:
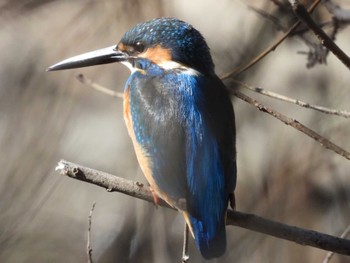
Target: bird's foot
155,197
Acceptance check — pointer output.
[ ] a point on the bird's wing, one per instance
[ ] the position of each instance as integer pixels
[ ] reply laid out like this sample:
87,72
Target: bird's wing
210,162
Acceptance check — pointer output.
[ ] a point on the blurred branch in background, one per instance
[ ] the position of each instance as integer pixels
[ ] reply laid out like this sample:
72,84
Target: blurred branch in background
293,123
341,113
248,221
83,80
318,52
273,47
325,40
88,245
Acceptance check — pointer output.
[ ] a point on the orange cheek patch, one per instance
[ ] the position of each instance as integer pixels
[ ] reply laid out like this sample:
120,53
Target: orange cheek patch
157,54
122,47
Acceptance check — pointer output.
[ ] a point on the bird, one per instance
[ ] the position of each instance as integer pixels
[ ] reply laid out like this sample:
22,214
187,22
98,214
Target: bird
181,121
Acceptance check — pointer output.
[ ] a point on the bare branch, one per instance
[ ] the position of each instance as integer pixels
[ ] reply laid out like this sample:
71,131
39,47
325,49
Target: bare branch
84,80
268,50
342,113
185,257
269,17
294,123
88,246
248,221
345,234
303,15
110,182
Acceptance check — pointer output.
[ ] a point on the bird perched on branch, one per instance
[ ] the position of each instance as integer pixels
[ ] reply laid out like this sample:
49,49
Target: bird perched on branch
181,121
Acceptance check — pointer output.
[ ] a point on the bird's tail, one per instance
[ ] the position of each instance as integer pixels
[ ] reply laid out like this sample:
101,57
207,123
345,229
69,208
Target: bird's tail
211,244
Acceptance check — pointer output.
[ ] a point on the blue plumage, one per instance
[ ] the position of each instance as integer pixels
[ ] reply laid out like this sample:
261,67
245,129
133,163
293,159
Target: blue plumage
177,119
181,121
187,45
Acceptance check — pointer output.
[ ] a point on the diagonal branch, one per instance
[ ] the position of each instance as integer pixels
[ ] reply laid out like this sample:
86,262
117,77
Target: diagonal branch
341,113
82,79
248,221
303,15
330,254
268,50
294,123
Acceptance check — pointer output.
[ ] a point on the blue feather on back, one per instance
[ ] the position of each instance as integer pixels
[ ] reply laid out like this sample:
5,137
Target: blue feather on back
205,174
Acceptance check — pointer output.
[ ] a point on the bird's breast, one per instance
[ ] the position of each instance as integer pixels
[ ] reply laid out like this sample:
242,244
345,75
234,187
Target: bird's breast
144,161
142,156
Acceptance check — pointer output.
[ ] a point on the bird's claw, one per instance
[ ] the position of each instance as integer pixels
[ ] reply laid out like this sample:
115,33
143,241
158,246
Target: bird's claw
155,197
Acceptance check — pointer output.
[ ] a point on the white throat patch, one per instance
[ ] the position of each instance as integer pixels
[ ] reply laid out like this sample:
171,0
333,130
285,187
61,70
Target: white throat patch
129,66
166,65
169,65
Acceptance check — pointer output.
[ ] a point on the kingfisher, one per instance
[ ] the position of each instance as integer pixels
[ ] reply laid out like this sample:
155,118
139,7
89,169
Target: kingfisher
180,118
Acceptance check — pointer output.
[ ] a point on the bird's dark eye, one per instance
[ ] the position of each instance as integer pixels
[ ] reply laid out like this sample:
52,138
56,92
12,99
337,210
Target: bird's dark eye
139,47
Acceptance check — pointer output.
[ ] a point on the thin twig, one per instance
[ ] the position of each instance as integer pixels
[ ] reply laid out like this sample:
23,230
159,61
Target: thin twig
84,80
329,255
300,11
294,123
88,246
269,17
268,50
248,221
185,257
341,113
317,53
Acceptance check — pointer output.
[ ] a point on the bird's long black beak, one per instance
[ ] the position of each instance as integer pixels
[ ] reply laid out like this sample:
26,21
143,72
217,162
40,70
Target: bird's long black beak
97,57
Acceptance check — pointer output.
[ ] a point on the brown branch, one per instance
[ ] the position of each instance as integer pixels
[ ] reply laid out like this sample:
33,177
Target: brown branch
294,123
268,50
248,221
303,15
110,182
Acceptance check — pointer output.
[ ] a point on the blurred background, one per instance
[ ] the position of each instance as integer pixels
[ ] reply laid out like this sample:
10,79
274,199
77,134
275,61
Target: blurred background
44,117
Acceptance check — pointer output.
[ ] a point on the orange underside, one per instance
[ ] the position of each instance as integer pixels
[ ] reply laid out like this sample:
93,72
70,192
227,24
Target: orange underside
142,158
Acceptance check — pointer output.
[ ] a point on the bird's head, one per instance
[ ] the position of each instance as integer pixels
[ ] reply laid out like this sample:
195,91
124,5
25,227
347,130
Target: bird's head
167,42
